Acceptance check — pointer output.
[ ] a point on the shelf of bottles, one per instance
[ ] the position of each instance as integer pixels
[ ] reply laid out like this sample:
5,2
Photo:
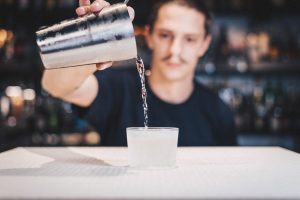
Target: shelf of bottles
244,45
261,105
29,119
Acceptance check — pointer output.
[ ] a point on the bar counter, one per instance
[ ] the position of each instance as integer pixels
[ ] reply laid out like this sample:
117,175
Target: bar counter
103,173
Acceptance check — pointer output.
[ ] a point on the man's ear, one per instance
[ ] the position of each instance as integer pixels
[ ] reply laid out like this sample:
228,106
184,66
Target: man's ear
148,37
205,45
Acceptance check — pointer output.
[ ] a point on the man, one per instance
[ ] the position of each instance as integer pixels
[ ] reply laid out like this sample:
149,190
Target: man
178,35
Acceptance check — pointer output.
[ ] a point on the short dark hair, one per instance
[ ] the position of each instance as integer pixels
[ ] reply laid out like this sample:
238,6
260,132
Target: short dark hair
195,4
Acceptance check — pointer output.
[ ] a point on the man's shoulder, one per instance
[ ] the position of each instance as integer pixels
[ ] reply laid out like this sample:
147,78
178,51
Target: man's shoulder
205,92
210,97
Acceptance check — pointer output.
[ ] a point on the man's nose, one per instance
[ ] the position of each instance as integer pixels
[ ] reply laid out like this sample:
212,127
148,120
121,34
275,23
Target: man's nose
176,47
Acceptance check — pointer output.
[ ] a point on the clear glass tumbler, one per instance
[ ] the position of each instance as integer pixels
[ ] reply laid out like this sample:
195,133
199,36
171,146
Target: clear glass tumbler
152,147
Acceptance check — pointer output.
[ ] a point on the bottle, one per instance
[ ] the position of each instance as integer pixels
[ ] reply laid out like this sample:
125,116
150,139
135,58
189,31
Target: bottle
259,108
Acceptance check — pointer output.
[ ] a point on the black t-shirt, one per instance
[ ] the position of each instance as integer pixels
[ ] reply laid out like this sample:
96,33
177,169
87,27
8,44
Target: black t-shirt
203,119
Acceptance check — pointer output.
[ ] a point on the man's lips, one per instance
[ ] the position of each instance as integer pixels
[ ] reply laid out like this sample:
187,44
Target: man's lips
171,64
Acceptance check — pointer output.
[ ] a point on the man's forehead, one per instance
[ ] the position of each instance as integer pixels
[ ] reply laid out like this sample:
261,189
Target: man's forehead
175,17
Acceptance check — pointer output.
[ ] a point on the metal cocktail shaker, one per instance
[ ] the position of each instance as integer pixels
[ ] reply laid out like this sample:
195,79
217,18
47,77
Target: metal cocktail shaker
95,38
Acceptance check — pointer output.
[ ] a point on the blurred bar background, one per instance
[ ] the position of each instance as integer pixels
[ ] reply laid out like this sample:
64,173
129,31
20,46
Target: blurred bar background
253,64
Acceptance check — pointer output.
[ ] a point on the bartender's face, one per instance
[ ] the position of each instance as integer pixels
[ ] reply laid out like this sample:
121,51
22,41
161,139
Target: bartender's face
177,41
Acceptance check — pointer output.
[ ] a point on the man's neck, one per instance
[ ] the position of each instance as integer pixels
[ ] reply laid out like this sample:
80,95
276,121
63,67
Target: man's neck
174,92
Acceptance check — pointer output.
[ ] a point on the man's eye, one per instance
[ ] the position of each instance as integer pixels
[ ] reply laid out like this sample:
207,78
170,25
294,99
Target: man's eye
191,40
164,35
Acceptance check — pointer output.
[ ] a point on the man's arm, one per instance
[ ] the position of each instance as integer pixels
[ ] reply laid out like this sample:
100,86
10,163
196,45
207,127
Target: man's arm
77,85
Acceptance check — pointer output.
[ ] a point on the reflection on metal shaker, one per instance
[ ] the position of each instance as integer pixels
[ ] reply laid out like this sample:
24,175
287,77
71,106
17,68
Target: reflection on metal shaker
95,38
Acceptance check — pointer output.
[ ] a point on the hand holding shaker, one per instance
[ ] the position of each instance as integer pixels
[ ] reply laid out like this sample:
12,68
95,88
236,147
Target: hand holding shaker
94,38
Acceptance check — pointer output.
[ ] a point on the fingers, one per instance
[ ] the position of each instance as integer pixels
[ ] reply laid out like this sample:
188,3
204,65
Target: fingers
102,66
83,10
84,3
86,7
98,5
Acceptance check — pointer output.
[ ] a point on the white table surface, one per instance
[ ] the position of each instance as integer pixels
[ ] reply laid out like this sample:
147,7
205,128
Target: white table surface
102,173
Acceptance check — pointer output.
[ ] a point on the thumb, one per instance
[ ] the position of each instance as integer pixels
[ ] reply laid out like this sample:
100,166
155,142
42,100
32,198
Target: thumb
131,13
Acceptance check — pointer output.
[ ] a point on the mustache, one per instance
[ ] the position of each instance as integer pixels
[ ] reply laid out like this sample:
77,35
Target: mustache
168,57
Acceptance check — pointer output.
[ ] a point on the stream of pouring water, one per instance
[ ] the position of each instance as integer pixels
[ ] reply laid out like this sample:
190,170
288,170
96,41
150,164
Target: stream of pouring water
141,69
